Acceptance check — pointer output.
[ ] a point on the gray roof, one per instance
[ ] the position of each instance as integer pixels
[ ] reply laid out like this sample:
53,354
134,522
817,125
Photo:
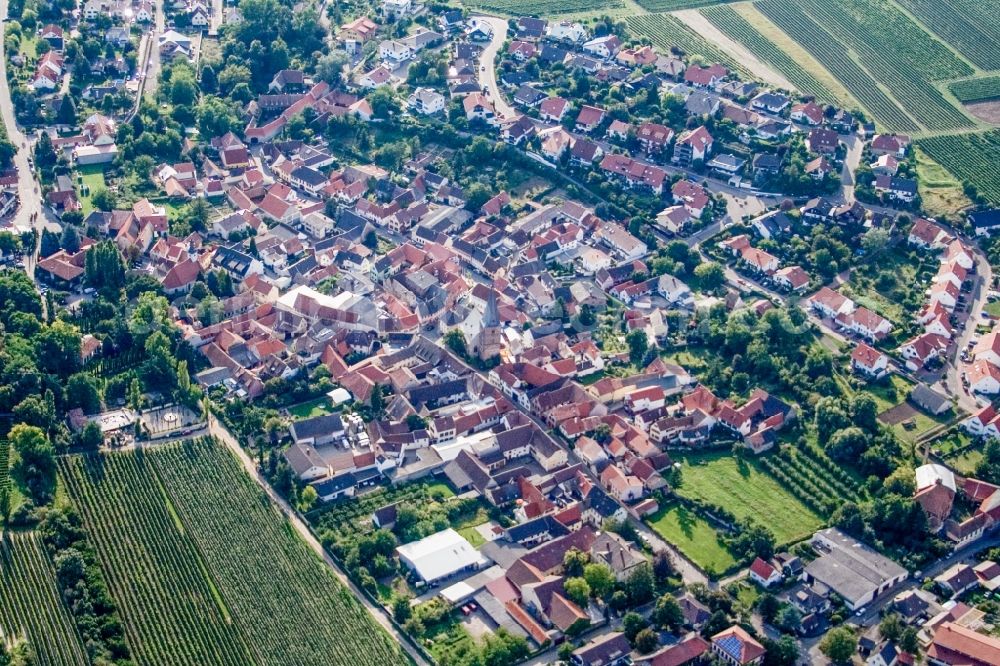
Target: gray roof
318,426
303,458
850,568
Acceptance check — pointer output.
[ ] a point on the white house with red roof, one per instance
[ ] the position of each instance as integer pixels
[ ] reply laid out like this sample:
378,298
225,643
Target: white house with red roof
735,646
983,377
764,574
987,348
865,323
793,278
923,348
705,77
692,146
553,109
986,423
652,397
691,195
868,360
653,137
926,234
890,144
589,118
809,113
830,303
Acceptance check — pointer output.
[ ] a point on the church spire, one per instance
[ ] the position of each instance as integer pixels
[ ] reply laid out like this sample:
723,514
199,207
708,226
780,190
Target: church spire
491,316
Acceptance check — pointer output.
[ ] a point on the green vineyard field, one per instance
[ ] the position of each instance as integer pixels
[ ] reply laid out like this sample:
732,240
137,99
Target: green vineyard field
946,19
834,57
206,571
970,157
30,605
674,5
976,90
738,28
898,53
667,32
542,7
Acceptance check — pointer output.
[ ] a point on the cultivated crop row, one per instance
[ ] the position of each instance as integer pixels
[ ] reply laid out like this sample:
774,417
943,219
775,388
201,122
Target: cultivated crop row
976,90
971,158
898,53
30,603
985,15
543,7
287,602
151,566
835,58
738,28
667,32
964,32
674,5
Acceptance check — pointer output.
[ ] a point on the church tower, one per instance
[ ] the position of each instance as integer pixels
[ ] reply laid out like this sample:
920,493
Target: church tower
489,334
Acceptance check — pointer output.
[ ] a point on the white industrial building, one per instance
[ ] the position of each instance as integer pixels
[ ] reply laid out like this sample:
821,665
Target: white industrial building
440,555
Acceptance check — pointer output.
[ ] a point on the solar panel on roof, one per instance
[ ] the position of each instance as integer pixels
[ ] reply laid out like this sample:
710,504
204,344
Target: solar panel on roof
732,646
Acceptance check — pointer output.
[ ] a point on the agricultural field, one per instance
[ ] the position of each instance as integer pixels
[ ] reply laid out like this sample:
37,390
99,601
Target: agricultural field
834,57
738,28
693,536
962,30
542,7
674,5
666,32
812,477
969,157
976,90
30,605
171,610
743,487
204,568
909,68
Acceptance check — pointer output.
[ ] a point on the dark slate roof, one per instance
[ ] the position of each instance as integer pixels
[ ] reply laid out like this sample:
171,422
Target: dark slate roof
334,484
534,528
318,426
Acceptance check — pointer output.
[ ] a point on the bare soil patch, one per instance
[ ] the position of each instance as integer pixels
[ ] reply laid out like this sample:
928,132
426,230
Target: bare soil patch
898,414
988,111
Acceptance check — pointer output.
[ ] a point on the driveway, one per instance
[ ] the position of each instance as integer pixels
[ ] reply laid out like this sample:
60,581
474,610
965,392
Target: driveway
487,65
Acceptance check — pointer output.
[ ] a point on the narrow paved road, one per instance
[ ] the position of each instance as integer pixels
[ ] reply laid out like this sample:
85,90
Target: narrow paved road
219,430
487,65
30,212
952,380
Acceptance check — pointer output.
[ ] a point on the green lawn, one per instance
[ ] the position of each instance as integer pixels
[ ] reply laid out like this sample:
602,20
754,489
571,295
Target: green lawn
90,179
440,488
992,308
745,489
472,535
889,391
966,462
315,407
693,536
